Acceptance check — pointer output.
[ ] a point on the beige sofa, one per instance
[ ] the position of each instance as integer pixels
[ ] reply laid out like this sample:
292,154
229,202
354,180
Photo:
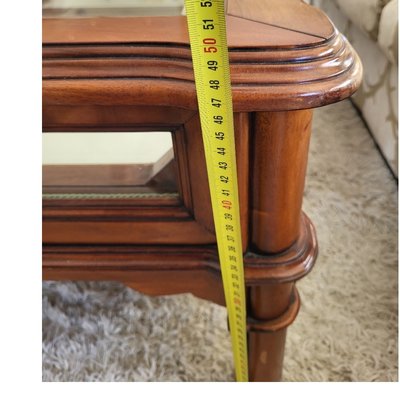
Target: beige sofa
372,28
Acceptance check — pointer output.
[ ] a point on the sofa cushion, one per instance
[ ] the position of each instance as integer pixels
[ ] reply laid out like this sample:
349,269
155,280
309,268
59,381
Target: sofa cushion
388,31
365,14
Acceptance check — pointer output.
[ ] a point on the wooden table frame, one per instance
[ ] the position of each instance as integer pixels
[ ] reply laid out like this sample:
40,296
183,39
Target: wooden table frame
120,74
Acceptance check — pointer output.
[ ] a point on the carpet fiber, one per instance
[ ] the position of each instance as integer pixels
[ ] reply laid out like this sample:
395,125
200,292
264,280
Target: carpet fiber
347,326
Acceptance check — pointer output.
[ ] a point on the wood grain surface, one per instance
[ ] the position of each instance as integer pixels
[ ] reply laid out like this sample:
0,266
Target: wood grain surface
278,61
119,74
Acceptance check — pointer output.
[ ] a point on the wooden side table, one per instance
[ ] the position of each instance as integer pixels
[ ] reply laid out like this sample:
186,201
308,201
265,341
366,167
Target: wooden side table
126,74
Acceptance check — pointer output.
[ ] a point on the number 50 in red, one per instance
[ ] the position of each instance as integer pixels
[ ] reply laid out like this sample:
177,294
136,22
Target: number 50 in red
210,49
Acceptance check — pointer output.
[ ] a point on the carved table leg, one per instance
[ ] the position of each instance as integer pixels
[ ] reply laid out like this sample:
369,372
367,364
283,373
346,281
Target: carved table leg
273,301
280,149
269,317
280,152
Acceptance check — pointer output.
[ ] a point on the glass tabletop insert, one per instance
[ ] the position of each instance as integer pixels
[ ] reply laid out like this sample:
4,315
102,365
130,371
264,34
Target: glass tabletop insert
110,8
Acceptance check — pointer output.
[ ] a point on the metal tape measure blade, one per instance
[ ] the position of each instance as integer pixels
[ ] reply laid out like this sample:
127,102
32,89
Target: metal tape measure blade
207,32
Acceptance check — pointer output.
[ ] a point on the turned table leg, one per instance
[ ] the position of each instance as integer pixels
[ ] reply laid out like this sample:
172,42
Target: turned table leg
280,149
280,142
272,309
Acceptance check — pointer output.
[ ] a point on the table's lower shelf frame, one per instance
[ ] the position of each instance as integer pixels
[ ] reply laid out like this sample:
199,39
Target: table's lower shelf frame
272,299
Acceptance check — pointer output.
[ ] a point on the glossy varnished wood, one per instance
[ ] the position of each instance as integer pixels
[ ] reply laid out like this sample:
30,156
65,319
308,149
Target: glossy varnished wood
129,264
280,153
267,342
120,74
310,23
187,220
136,61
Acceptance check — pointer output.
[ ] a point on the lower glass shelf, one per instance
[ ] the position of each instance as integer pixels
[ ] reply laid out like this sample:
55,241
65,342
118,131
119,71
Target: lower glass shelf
109,165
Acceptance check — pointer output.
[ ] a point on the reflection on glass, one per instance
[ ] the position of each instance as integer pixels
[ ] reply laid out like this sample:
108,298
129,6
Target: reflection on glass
108,165
110,8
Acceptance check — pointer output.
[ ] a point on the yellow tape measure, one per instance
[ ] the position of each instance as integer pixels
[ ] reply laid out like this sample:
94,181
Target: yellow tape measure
207,31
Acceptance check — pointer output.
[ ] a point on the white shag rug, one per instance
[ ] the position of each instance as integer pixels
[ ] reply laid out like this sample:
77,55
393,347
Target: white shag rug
347,326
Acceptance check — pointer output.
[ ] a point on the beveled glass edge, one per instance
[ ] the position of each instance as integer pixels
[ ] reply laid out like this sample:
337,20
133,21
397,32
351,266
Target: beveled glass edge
106,196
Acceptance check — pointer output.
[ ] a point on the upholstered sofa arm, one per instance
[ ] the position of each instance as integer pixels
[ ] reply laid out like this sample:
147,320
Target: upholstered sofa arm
388,31
378,19
365,14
